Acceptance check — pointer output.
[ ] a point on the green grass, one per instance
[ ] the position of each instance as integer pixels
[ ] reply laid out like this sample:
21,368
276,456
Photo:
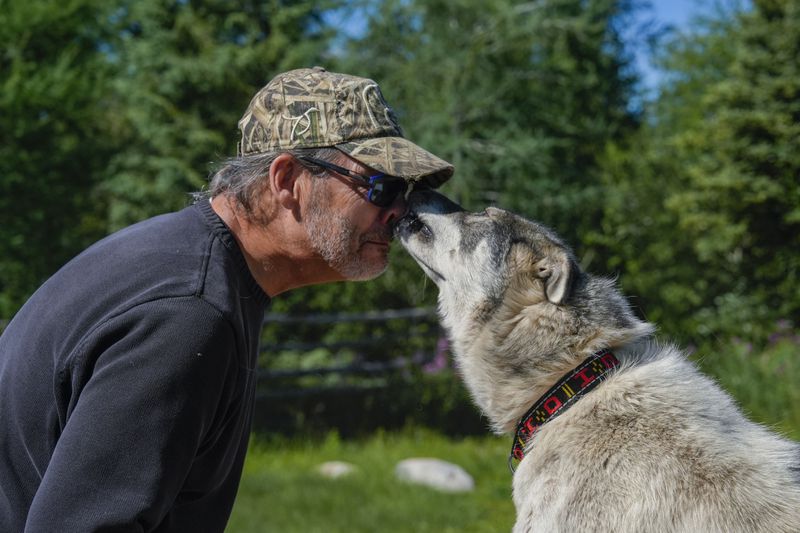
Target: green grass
281,491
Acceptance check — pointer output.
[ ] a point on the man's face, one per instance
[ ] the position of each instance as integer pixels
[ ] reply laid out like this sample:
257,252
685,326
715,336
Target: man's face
351,234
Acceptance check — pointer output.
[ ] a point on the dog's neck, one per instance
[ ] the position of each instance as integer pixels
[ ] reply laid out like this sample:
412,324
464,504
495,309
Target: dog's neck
506,380
570,388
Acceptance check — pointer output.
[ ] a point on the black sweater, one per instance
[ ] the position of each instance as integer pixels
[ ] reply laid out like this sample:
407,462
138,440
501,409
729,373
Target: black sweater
127,383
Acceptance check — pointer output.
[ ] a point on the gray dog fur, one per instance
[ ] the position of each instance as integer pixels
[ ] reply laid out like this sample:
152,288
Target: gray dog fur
657,447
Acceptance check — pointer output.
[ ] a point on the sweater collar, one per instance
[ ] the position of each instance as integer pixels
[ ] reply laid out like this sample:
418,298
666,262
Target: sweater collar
223,232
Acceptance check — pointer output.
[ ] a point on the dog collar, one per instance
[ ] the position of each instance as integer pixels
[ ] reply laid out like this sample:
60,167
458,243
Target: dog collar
560,397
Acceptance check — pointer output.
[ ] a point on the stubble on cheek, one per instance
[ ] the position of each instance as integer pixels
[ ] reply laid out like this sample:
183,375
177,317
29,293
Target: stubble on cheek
336,239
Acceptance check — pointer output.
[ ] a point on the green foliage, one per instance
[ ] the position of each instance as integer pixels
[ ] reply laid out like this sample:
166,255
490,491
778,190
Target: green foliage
187,71
522,97
402,285
53,137
386,401
763,382
712,182
740,205
111,112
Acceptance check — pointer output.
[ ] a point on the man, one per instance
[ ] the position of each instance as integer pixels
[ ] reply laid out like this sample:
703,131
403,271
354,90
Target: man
127,380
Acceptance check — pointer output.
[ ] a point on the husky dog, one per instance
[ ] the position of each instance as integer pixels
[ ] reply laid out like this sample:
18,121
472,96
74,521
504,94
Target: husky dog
616,432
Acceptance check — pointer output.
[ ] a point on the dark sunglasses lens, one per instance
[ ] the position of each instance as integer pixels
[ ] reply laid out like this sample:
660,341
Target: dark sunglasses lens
384,192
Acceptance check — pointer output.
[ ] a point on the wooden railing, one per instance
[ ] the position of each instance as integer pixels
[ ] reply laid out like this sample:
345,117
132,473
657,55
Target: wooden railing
337,369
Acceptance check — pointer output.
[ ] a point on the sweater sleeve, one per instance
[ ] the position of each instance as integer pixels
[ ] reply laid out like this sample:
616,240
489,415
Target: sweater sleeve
145,389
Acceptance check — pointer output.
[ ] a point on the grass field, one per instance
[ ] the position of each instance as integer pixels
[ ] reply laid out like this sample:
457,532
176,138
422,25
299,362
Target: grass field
281,491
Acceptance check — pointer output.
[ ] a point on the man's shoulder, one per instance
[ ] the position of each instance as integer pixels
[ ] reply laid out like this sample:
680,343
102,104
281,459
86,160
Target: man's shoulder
159,257
179,228
162,258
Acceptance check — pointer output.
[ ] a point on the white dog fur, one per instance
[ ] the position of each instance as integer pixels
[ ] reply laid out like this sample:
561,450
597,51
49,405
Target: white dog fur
657,447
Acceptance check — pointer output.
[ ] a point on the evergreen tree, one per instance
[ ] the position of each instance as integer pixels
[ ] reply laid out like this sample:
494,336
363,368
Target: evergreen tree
703,221
638,235
113,111
54,137
741,203
187,72
521,96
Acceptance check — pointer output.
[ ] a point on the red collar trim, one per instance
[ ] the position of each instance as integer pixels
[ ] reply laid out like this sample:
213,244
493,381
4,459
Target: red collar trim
560,397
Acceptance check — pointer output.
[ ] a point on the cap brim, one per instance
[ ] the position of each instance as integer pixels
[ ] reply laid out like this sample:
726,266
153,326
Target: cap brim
398,156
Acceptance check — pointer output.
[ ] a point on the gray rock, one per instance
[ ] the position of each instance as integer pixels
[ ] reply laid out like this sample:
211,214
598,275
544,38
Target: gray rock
335,469
435,473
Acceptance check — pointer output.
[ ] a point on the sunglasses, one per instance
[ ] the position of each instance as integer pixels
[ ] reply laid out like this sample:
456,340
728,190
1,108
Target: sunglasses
382,190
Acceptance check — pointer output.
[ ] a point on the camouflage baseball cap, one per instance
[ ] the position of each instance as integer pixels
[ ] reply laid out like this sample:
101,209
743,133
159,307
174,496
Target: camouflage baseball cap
311,107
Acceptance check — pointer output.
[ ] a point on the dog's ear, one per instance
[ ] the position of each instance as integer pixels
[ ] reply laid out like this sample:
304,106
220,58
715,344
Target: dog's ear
558,270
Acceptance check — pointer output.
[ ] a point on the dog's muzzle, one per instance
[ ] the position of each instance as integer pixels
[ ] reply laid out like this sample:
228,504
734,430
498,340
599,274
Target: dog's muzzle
408,225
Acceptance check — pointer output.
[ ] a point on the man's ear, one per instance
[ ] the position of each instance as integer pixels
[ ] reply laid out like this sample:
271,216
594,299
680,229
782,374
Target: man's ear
558,271
283,181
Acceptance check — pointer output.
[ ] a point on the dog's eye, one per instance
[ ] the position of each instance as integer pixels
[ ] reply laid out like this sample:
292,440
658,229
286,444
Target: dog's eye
425,230
417,226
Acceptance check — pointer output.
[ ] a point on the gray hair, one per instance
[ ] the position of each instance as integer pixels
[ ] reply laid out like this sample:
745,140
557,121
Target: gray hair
243,178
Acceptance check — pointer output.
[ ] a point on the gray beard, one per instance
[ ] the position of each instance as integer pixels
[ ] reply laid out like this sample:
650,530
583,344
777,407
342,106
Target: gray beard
332,237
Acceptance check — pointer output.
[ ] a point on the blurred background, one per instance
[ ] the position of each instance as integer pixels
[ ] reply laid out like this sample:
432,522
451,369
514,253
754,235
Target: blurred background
660,139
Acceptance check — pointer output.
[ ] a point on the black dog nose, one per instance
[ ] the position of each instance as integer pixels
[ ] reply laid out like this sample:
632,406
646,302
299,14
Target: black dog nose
407,224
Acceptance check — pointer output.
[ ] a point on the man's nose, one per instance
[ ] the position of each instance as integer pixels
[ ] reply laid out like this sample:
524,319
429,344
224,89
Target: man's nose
395,211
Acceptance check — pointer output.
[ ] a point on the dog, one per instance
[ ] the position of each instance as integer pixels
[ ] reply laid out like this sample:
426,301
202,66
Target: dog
616,431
